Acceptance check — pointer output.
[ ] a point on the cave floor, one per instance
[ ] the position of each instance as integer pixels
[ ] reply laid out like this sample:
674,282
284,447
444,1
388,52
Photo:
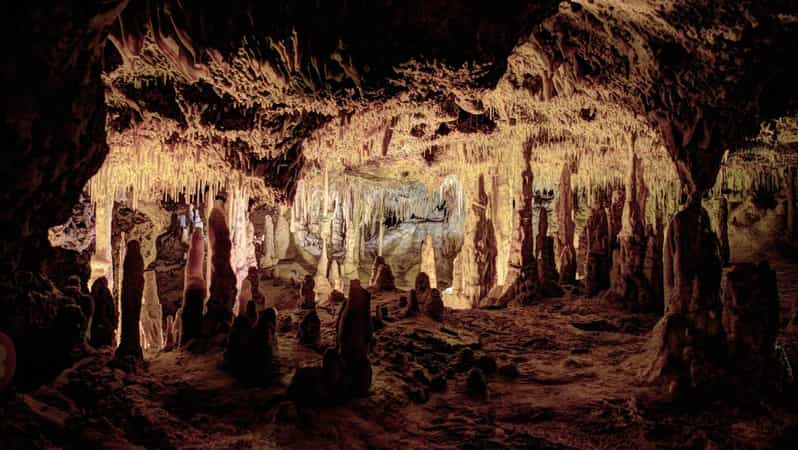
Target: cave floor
575,388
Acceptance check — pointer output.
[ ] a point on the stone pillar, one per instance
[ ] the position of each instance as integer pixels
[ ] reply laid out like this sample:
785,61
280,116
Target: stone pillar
195,292
484,245
597,266
628,278
282,237
354,334
566,253
102,259
132,290
219,314
152,314
428,261
269,257
106,315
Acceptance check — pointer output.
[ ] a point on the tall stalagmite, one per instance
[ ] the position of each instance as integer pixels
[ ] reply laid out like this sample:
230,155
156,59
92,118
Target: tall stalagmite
566,253
428,261
628,278
219,314
194,296
152,313
484,246
132,291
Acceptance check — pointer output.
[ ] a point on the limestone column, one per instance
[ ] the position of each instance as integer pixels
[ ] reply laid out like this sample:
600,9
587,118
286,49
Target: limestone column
102,259
565,227
428,261
723,229
132,291
219,314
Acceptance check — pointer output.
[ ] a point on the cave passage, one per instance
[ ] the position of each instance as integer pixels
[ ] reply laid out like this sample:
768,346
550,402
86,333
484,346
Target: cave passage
366,224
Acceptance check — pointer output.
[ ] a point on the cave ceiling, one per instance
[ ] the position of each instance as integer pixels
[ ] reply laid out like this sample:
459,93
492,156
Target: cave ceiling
411,90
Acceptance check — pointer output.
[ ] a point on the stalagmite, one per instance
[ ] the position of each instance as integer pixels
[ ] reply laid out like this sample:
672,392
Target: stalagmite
546,262
307,293
750,299
597,267
628,277
268,258
484,246
244,297
615,217
723,229
169,334
106,316
565,228
152,314
219,314
254,281
132,291
282,236
194,295
335,276
102,259
381,275
353,329
322,282
434,306
428,261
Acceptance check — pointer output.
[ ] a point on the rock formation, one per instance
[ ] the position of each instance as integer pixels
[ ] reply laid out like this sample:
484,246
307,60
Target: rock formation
792,210
353,331
629,279
597,267
433,307
269,256
428,261
254,281
750,320
381,275
132,291
151,314
244,297
74,290
723,229
219,314
194,296
282,237
106,316
566,254
484,245
252,345
307,293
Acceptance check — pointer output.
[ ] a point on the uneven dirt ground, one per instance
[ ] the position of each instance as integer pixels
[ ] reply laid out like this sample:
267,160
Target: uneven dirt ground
574,388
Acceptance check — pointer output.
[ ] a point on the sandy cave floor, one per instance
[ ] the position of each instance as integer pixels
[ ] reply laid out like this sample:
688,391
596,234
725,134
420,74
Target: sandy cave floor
575,389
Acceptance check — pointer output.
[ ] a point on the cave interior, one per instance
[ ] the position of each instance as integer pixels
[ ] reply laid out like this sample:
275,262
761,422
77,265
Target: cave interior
378,224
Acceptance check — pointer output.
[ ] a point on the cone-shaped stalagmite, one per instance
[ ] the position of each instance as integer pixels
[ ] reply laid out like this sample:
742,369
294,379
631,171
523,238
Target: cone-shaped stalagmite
132,291
629,280
194,296
484,244
152,314
354,331
219,315
565,227
544,246
428,261
106,317
269,256
381,275
597,266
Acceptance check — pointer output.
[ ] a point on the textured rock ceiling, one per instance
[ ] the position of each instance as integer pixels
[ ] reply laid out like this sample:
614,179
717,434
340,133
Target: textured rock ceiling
280,89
